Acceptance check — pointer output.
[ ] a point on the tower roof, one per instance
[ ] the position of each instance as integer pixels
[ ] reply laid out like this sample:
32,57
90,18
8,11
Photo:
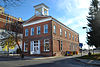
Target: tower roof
42,4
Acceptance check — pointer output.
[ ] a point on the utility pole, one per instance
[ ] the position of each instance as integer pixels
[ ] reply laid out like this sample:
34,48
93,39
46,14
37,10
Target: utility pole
8,49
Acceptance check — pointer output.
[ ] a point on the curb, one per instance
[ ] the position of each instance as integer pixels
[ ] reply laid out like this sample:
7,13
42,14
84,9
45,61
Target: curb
46,58
86,62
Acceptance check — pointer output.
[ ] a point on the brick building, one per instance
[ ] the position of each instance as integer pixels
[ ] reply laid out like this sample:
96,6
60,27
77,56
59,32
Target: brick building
44,35
5,22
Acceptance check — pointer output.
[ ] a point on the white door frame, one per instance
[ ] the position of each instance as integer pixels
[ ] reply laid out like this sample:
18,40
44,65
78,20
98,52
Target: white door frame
32,47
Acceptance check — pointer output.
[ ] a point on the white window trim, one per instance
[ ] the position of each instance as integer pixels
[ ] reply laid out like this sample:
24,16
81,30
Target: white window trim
25,32
66,34
32,31
69,35
44,45
54,28
24,47
73,37
60,32
31,47
45,28
37,30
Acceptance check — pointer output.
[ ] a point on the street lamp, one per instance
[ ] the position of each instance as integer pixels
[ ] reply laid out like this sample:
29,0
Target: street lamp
87,35
86,29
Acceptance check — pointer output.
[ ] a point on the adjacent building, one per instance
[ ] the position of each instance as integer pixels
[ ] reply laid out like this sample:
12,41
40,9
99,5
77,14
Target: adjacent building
46,36
5,21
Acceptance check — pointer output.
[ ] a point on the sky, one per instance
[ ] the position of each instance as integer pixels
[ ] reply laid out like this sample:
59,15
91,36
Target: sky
72,13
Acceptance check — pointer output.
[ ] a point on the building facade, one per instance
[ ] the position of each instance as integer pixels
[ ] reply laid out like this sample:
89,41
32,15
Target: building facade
46,36
5,22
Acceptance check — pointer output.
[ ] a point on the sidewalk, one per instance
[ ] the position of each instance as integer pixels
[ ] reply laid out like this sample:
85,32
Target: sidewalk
37,58
87,61
52,57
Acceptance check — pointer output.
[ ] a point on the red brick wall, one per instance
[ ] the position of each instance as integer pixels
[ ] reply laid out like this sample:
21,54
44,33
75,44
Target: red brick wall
3,16
54,45
66,41
35,30
40,37
2,23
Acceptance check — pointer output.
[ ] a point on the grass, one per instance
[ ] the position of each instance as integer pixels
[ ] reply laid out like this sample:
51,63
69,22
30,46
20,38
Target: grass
92,57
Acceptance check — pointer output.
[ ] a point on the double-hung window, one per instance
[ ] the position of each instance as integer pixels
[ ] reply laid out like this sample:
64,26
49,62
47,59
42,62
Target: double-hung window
69,35
26,32
54,27
9,18
46,45
25,46
60,32
38,30
73,37
46,28
66,34
61,45
32,31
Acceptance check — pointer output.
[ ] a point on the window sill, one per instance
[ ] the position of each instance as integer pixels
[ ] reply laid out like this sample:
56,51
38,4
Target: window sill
47,51
32,35
45,33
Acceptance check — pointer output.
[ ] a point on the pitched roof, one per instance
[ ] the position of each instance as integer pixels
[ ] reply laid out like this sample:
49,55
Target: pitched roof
35,18
41,4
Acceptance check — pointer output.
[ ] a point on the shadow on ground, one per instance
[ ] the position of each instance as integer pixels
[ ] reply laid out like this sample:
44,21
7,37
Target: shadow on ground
69,62
10,58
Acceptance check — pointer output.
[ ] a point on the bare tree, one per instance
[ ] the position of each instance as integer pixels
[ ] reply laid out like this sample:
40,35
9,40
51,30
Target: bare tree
10,3
13,31
12,35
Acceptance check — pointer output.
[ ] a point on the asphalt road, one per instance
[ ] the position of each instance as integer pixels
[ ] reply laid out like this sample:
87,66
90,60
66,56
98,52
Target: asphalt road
54,62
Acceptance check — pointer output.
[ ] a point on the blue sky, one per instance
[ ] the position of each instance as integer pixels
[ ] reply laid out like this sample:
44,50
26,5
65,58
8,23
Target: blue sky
70,12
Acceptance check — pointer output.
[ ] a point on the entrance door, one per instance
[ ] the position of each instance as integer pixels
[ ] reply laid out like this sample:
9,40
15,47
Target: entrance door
35,47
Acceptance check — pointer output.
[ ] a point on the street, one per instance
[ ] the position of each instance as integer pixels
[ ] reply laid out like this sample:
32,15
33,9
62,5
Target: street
53,62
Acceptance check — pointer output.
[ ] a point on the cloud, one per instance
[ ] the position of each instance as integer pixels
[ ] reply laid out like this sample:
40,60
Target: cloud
83,3
71,5
75,12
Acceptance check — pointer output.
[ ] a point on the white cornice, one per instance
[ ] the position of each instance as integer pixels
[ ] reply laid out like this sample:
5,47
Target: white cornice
36,22
47,19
